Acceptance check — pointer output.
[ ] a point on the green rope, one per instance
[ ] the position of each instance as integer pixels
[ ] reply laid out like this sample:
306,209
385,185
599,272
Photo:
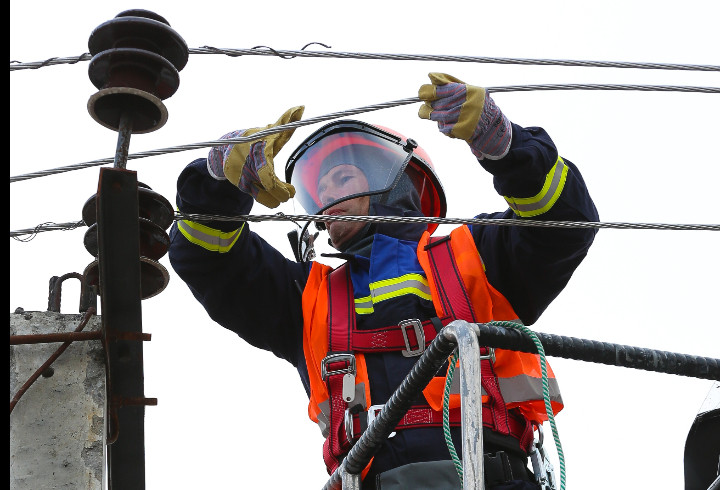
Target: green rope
546,390
446,416
546,398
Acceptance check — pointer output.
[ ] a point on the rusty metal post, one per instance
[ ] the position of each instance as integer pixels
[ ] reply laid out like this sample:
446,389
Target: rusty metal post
119,271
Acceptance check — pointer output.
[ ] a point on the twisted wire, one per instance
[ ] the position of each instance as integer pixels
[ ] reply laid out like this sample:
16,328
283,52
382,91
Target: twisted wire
351,112
47,226
453,58
206,144
451,221
289,54
398,219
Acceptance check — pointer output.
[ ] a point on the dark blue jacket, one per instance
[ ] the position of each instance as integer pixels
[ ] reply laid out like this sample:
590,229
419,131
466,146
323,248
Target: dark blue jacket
529,265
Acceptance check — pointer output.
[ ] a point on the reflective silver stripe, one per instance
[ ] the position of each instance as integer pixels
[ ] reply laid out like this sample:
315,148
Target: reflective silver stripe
548,195
523,387
209,238
324,418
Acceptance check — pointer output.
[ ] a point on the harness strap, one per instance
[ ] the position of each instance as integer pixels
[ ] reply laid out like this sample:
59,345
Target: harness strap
393,338
341,321
453,295
424,416
416,416
455,302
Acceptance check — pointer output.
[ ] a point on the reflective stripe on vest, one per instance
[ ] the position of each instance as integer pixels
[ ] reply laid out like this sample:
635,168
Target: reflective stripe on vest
548,195
392,288
209,238
517,389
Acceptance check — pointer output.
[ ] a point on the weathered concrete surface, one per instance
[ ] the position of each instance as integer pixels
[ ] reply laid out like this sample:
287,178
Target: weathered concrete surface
57,427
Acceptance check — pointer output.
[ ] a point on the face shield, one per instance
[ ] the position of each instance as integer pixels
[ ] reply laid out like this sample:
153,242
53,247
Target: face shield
348,159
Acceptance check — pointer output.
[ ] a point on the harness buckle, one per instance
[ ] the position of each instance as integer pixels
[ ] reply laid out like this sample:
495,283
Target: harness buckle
349,432
490,355
419,335
370,415
374,411
332,358
348,381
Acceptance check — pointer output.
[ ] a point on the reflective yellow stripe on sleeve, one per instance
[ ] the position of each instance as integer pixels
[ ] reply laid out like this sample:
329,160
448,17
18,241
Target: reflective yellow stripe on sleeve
209,238
391,288
548,195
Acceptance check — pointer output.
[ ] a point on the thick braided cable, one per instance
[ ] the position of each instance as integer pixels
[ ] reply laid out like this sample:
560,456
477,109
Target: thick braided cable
546,389
446,416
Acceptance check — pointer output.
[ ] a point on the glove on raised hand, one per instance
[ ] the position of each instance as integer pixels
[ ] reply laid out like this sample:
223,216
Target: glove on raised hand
249,166
468,113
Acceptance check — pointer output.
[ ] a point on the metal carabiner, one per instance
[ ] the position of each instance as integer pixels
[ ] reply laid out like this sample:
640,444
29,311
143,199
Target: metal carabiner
542,468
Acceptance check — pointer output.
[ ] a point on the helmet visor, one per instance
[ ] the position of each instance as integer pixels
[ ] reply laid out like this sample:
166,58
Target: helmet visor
344,161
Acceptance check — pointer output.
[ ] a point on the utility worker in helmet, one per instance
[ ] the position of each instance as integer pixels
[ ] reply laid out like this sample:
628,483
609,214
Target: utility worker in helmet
354,332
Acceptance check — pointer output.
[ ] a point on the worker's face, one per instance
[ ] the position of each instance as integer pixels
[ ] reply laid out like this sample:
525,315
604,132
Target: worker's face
339,182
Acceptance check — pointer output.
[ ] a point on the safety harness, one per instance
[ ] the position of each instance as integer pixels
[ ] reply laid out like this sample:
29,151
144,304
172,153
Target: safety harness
347,412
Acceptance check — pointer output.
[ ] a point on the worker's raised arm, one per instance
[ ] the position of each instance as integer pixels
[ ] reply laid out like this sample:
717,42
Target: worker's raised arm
243,282
528,265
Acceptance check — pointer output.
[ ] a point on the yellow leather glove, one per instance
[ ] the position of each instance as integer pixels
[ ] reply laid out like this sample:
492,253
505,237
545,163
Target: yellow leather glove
249,166
468,113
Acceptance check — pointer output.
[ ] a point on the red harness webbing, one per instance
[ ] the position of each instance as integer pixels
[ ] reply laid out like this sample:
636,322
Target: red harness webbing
455,301
392,338
341,321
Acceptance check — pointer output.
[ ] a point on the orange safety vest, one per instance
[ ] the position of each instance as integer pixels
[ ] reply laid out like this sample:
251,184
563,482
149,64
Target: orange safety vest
460,290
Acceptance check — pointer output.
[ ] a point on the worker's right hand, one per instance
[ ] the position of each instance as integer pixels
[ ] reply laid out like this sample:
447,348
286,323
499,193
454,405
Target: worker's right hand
249,166
468,113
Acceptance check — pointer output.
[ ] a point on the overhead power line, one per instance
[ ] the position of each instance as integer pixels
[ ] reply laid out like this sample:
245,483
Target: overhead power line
453,221
350,112
398,219
289,54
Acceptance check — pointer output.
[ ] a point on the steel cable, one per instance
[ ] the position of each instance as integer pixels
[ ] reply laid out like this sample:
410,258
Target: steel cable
452,221
359,110
399,219
289,54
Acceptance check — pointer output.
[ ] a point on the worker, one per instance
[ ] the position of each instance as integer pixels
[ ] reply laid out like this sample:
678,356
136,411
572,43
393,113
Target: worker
354,331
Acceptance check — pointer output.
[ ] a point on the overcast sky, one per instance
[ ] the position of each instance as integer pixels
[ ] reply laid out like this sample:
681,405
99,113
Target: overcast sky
230,416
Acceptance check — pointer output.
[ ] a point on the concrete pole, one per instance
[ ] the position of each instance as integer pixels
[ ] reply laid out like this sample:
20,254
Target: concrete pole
57,428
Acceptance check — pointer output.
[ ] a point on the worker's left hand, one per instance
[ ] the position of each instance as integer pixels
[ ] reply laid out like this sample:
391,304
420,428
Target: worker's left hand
468,113
249,166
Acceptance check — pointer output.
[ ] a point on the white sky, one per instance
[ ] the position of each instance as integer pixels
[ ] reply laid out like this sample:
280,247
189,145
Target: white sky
230,416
